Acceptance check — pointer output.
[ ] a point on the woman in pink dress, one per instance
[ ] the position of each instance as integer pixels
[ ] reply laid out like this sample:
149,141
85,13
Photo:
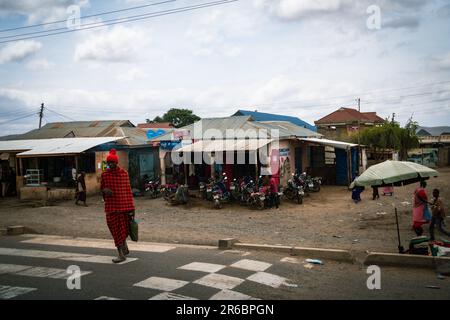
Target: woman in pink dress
420,203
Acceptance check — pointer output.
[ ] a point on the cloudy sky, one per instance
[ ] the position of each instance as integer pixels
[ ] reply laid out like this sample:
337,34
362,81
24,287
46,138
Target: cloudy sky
300,57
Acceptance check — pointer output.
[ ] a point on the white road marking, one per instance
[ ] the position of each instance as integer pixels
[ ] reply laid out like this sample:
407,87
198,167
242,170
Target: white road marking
66,256
219,281
163,284
12,268
268,279
291,260
231,295
238,252
7,292
171,296
98,244
203,267
37,272
106,298
252,265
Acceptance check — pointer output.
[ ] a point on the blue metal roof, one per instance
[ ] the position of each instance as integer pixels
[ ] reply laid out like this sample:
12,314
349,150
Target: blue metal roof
261,116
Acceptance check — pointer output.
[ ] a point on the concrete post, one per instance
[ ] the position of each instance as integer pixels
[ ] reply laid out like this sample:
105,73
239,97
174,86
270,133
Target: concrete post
162,164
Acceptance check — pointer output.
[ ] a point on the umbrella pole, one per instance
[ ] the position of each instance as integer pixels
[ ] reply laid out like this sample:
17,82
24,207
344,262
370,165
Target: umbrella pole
400,247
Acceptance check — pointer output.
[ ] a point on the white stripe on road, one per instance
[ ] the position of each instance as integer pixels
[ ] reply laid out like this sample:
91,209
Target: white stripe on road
163,284
219,281
231,295
268,279
107,298
37,272
203,267
7,292
98,244
66,256
171,296
251,265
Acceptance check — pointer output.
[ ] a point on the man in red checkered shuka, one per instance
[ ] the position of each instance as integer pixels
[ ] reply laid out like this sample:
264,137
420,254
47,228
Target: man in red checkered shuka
119,203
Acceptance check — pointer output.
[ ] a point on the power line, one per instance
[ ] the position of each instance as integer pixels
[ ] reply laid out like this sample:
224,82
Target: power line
129,19
88,16
23,117
72,119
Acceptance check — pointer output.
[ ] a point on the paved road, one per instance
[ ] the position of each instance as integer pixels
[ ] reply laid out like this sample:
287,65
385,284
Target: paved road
35,267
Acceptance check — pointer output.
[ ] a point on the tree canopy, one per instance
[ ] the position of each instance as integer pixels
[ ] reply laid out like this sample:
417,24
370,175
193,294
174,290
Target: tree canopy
178,117
391,135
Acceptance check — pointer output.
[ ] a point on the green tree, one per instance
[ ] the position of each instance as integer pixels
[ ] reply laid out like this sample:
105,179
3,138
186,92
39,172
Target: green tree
178,117
391,136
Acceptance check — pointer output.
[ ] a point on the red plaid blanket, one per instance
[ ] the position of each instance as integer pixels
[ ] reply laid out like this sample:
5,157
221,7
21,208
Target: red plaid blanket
121,199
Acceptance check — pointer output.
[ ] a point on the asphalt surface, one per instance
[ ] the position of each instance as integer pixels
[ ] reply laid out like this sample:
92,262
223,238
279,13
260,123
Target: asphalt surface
274,279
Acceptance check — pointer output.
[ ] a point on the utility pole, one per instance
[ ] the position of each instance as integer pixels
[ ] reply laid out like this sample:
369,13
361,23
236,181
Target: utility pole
359,134
41,115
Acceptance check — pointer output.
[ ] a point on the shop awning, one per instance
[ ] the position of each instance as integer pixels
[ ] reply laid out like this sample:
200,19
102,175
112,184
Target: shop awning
53,147
330,143
225,145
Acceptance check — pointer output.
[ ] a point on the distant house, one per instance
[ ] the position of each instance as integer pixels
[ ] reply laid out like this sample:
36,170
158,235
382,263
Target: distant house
433,131
433,140
343,123
262,116
57,148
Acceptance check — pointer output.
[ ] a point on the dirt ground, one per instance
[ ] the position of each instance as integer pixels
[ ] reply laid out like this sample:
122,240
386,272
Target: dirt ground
328,219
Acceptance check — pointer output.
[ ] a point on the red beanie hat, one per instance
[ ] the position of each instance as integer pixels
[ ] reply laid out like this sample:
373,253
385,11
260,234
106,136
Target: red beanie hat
112,156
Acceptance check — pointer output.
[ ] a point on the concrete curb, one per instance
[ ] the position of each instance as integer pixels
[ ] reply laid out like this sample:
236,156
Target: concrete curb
15,230
314,253
405,260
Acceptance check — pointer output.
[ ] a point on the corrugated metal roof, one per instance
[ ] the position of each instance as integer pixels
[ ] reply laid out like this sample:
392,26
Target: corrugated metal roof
262,116
331,143
53,146
289,129
225,145
433,131
221,125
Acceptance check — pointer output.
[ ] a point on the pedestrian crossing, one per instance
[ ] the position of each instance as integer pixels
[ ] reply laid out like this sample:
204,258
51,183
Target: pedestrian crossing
37,272
8,292
65,256
222,281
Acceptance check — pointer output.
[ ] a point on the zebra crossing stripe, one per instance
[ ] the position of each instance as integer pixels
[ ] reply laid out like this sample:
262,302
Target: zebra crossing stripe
98,244
66,256
106,298
7,292
36,272
171,296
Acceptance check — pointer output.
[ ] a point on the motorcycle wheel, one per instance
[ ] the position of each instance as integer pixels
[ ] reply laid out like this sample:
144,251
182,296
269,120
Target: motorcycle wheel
299,199
217,205
316,188
260,205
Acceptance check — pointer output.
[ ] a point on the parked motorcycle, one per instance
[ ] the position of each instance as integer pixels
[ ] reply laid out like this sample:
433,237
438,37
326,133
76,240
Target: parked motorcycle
259,199
220,194
152,188
235,190
294,190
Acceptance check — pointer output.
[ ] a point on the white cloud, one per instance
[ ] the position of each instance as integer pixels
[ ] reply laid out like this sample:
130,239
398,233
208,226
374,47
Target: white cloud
40,65
113,45
131,75
18,51
39,11
441,61
216,32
